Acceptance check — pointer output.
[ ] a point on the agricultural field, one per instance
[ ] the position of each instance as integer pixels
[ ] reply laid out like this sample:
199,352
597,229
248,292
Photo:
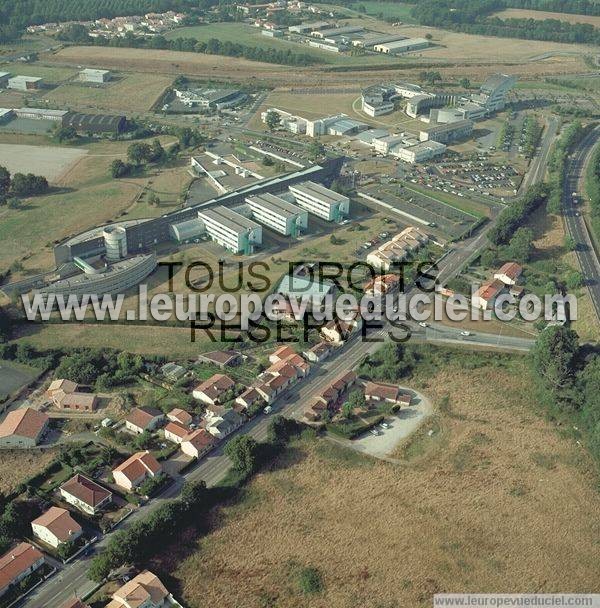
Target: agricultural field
51,74
520,13
17,466
48,161
396,10
315,509
128,93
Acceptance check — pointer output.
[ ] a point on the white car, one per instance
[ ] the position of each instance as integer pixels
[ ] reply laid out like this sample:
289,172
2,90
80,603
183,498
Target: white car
385,425
268,409
423,324
374,432
465,333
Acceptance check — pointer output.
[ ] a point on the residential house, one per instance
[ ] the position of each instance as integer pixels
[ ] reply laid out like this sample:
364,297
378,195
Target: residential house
486,295
56,527
197,443
175,432
221,426
269,385
338,331
390,393
509,273
142,419
85,494
66,386
214,389
78,401
249,397
316,408
135,470
18,563
398,249
143,591
23,428
319,352
344,382
283,352
222,358
382,285
181,416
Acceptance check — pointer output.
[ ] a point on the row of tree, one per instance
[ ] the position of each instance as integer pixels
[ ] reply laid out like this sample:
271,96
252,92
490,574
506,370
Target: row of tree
21,184
593,190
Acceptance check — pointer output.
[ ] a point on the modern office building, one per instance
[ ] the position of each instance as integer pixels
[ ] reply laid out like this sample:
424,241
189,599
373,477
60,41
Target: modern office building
420,152
321,201
278,214
210,98
402,46
187,230
382,145
95,76
494,90
24,83
378,100
447,133
231,230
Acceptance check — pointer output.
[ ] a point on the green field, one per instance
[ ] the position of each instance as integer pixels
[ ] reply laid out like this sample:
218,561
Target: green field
251,36
396,10
51,75
466,205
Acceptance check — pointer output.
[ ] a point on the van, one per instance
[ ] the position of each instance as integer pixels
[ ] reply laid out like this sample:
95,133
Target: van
268,410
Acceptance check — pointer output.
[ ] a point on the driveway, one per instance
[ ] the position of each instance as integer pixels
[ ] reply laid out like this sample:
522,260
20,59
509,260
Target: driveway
401,425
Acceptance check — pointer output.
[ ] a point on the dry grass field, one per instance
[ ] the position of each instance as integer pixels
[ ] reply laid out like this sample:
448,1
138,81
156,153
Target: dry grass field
520,13
48,161
19,465
128,93
486,504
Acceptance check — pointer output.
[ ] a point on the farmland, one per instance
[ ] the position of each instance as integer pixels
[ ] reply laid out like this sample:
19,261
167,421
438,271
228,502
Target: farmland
519,13
353,519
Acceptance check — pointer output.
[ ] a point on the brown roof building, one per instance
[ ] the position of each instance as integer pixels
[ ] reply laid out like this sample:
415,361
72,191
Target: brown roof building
380,391
85,494
18,563
142,419
85,402
22,428
131,473
212,390
197,443
55,527
181,416
143,591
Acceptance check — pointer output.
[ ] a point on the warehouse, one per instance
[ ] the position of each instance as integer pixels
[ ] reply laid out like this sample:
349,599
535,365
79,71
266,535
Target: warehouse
231,230
184,232
370,41
325,46
94,76
321,201
278,214
41,114
4,76
309,27
6,114
24,83
95,123
420,152
402,46
210,98
337,31
447,133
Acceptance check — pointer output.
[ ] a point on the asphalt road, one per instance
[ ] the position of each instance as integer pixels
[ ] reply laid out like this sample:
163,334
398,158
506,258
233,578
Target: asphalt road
72,579
575,222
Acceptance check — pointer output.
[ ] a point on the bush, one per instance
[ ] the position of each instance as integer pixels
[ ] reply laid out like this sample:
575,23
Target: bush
310,581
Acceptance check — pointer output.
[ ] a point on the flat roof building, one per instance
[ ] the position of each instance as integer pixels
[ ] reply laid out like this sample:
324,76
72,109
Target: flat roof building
446,133
93,75
337,31
278,214
321,201
402,46
420,152
95,123
24,83
372,40
41,114
231,230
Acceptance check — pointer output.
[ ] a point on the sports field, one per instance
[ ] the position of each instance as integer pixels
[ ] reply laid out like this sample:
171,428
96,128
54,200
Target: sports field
49,161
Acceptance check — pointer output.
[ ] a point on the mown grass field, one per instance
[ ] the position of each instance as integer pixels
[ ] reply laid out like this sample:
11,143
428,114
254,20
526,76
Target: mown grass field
469,509
128,93
520,13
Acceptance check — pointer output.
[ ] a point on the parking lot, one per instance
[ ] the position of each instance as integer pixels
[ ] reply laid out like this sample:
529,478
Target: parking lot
451,221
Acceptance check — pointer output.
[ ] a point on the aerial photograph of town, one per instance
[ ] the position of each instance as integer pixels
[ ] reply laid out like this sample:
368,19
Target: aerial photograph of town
299,303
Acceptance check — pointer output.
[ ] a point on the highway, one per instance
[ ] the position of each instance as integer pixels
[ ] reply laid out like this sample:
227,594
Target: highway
72,579
574,219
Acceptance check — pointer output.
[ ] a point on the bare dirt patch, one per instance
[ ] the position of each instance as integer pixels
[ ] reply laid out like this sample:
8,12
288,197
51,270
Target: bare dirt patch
503,504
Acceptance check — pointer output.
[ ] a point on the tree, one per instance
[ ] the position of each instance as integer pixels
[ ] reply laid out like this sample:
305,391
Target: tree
154,200
4,180
315,149
28,185
310,581
520,245
13,202
63,134
267,161
574,280
570,243
139,153
273,120
554,355
119,169
465,83
357,399
242,452
157,152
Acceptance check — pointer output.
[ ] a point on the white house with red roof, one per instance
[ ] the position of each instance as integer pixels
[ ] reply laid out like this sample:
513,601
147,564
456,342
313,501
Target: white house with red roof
56,527
135,470
85,494
509,273
486,295
17,564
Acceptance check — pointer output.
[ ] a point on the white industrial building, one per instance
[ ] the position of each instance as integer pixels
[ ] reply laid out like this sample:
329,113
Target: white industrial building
24,83
383,145
278,214
302,28
402,46
231,230
419,152
373,39
337,31
321,201
95,76
446,133
494,90
40,114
